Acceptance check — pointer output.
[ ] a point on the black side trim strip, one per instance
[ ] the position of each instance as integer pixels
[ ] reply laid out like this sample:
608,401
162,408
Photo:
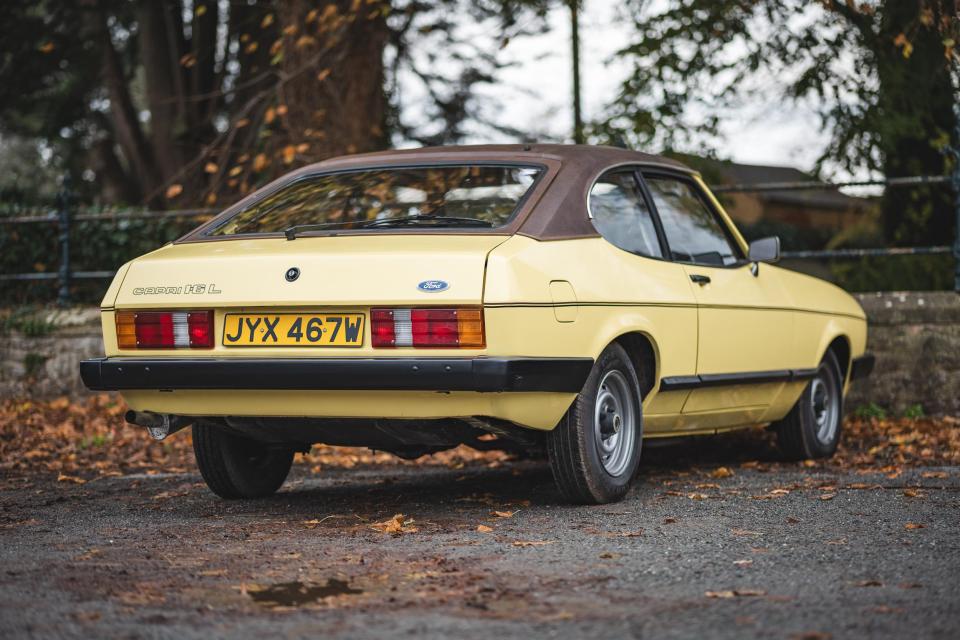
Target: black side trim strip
566,375
862,367
679,383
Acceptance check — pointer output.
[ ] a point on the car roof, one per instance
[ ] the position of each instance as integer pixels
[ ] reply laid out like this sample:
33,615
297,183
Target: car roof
566,153
555,210
561,210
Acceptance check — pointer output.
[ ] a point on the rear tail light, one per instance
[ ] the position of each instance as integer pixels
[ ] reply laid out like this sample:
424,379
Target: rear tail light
165,329
427,327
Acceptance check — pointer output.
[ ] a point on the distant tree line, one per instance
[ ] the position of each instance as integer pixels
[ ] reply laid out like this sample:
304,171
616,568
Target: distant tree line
197,102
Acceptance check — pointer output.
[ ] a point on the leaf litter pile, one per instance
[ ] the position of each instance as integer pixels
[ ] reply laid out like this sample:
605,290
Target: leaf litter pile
80,438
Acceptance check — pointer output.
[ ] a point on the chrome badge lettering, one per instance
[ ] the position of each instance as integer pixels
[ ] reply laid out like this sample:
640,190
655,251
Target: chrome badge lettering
187,289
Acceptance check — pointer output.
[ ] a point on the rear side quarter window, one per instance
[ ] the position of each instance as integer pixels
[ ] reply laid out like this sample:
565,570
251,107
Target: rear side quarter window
621,215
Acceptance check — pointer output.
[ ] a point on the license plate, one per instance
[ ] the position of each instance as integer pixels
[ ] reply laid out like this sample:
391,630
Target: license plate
293,330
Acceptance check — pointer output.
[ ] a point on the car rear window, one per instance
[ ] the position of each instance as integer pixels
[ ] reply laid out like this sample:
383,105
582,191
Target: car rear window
448,196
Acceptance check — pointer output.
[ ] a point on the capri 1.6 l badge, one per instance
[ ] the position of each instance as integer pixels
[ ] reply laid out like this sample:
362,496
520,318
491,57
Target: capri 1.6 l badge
433,286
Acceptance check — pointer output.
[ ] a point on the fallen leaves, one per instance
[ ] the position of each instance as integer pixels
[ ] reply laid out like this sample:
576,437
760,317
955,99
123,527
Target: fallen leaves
396,526
74,479
911,526
482,528
721,472
531,543
827,496
89,436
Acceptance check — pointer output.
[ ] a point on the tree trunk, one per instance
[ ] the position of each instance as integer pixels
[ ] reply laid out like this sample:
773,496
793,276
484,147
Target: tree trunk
160,55
123,116
334,93
916,98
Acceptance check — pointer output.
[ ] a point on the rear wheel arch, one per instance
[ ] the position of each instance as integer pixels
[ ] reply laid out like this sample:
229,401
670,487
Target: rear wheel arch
643,356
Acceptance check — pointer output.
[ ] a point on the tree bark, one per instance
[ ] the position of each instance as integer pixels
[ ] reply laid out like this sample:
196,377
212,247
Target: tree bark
334,93
164,89
123,115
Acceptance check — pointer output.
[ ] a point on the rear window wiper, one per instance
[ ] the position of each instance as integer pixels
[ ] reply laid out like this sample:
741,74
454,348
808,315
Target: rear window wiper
291,232
452,221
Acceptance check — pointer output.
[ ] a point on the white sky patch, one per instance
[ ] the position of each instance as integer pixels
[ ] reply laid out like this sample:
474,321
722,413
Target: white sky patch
534,94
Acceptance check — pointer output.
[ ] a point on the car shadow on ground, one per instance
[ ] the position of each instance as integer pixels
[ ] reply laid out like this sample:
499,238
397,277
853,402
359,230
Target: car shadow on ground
380,491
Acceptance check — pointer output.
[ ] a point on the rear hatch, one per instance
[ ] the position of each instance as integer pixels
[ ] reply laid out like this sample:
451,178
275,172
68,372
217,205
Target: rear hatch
300,286
338,271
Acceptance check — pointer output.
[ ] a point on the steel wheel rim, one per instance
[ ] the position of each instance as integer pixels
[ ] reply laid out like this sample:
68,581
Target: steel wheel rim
614,423
825,407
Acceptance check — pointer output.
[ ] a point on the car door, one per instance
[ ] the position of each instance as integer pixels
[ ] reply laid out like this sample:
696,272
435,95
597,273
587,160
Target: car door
643,275
745,326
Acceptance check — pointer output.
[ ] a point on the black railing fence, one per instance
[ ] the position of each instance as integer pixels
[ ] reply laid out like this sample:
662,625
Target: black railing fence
65,214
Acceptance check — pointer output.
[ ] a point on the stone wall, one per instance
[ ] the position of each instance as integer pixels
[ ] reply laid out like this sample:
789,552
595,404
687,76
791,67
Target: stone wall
916,339
39,355
915,336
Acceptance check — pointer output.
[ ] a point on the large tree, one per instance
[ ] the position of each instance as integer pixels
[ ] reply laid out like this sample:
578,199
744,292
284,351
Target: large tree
883,75
186,101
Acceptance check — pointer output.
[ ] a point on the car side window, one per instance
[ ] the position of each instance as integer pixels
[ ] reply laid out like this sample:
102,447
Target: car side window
621,215
693,232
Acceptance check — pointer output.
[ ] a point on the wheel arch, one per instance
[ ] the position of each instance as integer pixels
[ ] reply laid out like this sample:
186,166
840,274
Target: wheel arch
841,347
644,356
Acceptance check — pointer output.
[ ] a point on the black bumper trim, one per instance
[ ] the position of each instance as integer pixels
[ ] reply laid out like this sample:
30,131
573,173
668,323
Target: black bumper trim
566,375
680,383
862,367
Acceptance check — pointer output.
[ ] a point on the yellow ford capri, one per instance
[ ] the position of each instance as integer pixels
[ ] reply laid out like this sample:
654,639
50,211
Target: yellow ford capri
568,299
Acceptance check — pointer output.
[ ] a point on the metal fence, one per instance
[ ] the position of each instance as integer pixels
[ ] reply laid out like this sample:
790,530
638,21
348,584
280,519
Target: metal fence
64,215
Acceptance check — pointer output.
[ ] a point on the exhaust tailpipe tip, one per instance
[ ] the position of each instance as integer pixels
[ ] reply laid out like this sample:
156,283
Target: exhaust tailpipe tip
158,425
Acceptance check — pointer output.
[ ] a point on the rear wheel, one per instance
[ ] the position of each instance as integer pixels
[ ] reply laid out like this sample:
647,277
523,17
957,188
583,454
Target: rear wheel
812,428
236,467
595,450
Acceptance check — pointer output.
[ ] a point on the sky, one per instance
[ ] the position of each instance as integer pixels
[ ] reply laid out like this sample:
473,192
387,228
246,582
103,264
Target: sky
534,93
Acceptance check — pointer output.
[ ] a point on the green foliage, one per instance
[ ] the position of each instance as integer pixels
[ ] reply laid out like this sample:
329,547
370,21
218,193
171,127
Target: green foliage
883,76
26,321
32,363
914,412
895,273
94,246
870,411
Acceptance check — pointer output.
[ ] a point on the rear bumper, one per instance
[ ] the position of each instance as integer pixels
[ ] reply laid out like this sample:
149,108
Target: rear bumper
862,367
562,375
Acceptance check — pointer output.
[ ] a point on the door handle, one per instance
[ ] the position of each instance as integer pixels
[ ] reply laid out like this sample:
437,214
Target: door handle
700,279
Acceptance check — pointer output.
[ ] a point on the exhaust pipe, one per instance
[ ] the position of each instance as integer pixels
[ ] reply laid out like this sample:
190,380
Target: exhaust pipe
159,425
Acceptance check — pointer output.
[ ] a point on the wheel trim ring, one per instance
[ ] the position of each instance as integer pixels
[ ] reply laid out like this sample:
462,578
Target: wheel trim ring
824,406
614,450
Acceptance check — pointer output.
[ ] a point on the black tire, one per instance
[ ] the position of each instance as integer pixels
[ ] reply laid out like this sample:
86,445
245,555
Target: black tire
801,435
574,445
235,467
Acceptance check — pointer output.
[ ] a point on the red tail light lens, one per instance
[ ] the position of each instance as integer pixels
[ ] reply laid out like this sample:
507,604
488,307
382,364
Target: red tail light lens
427,327
164,329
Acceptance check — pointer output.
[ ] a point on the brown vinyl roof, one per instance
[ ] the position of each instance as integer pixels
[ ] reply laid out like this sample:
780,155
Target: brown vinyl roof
558,207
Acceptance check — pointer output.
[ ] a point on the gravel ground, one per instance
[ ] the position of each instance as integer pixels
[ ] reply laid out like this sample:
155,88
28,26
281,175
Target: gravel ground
746,551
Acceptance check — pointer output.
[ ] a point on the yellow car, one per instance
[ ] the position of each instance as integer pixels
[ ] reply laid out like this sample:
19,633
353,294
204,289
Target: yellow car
571,299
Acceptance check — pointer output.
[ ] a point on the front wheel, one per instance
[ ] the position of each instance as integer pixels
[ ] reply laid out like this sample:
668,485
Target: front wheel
595,450
235,467
812,428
